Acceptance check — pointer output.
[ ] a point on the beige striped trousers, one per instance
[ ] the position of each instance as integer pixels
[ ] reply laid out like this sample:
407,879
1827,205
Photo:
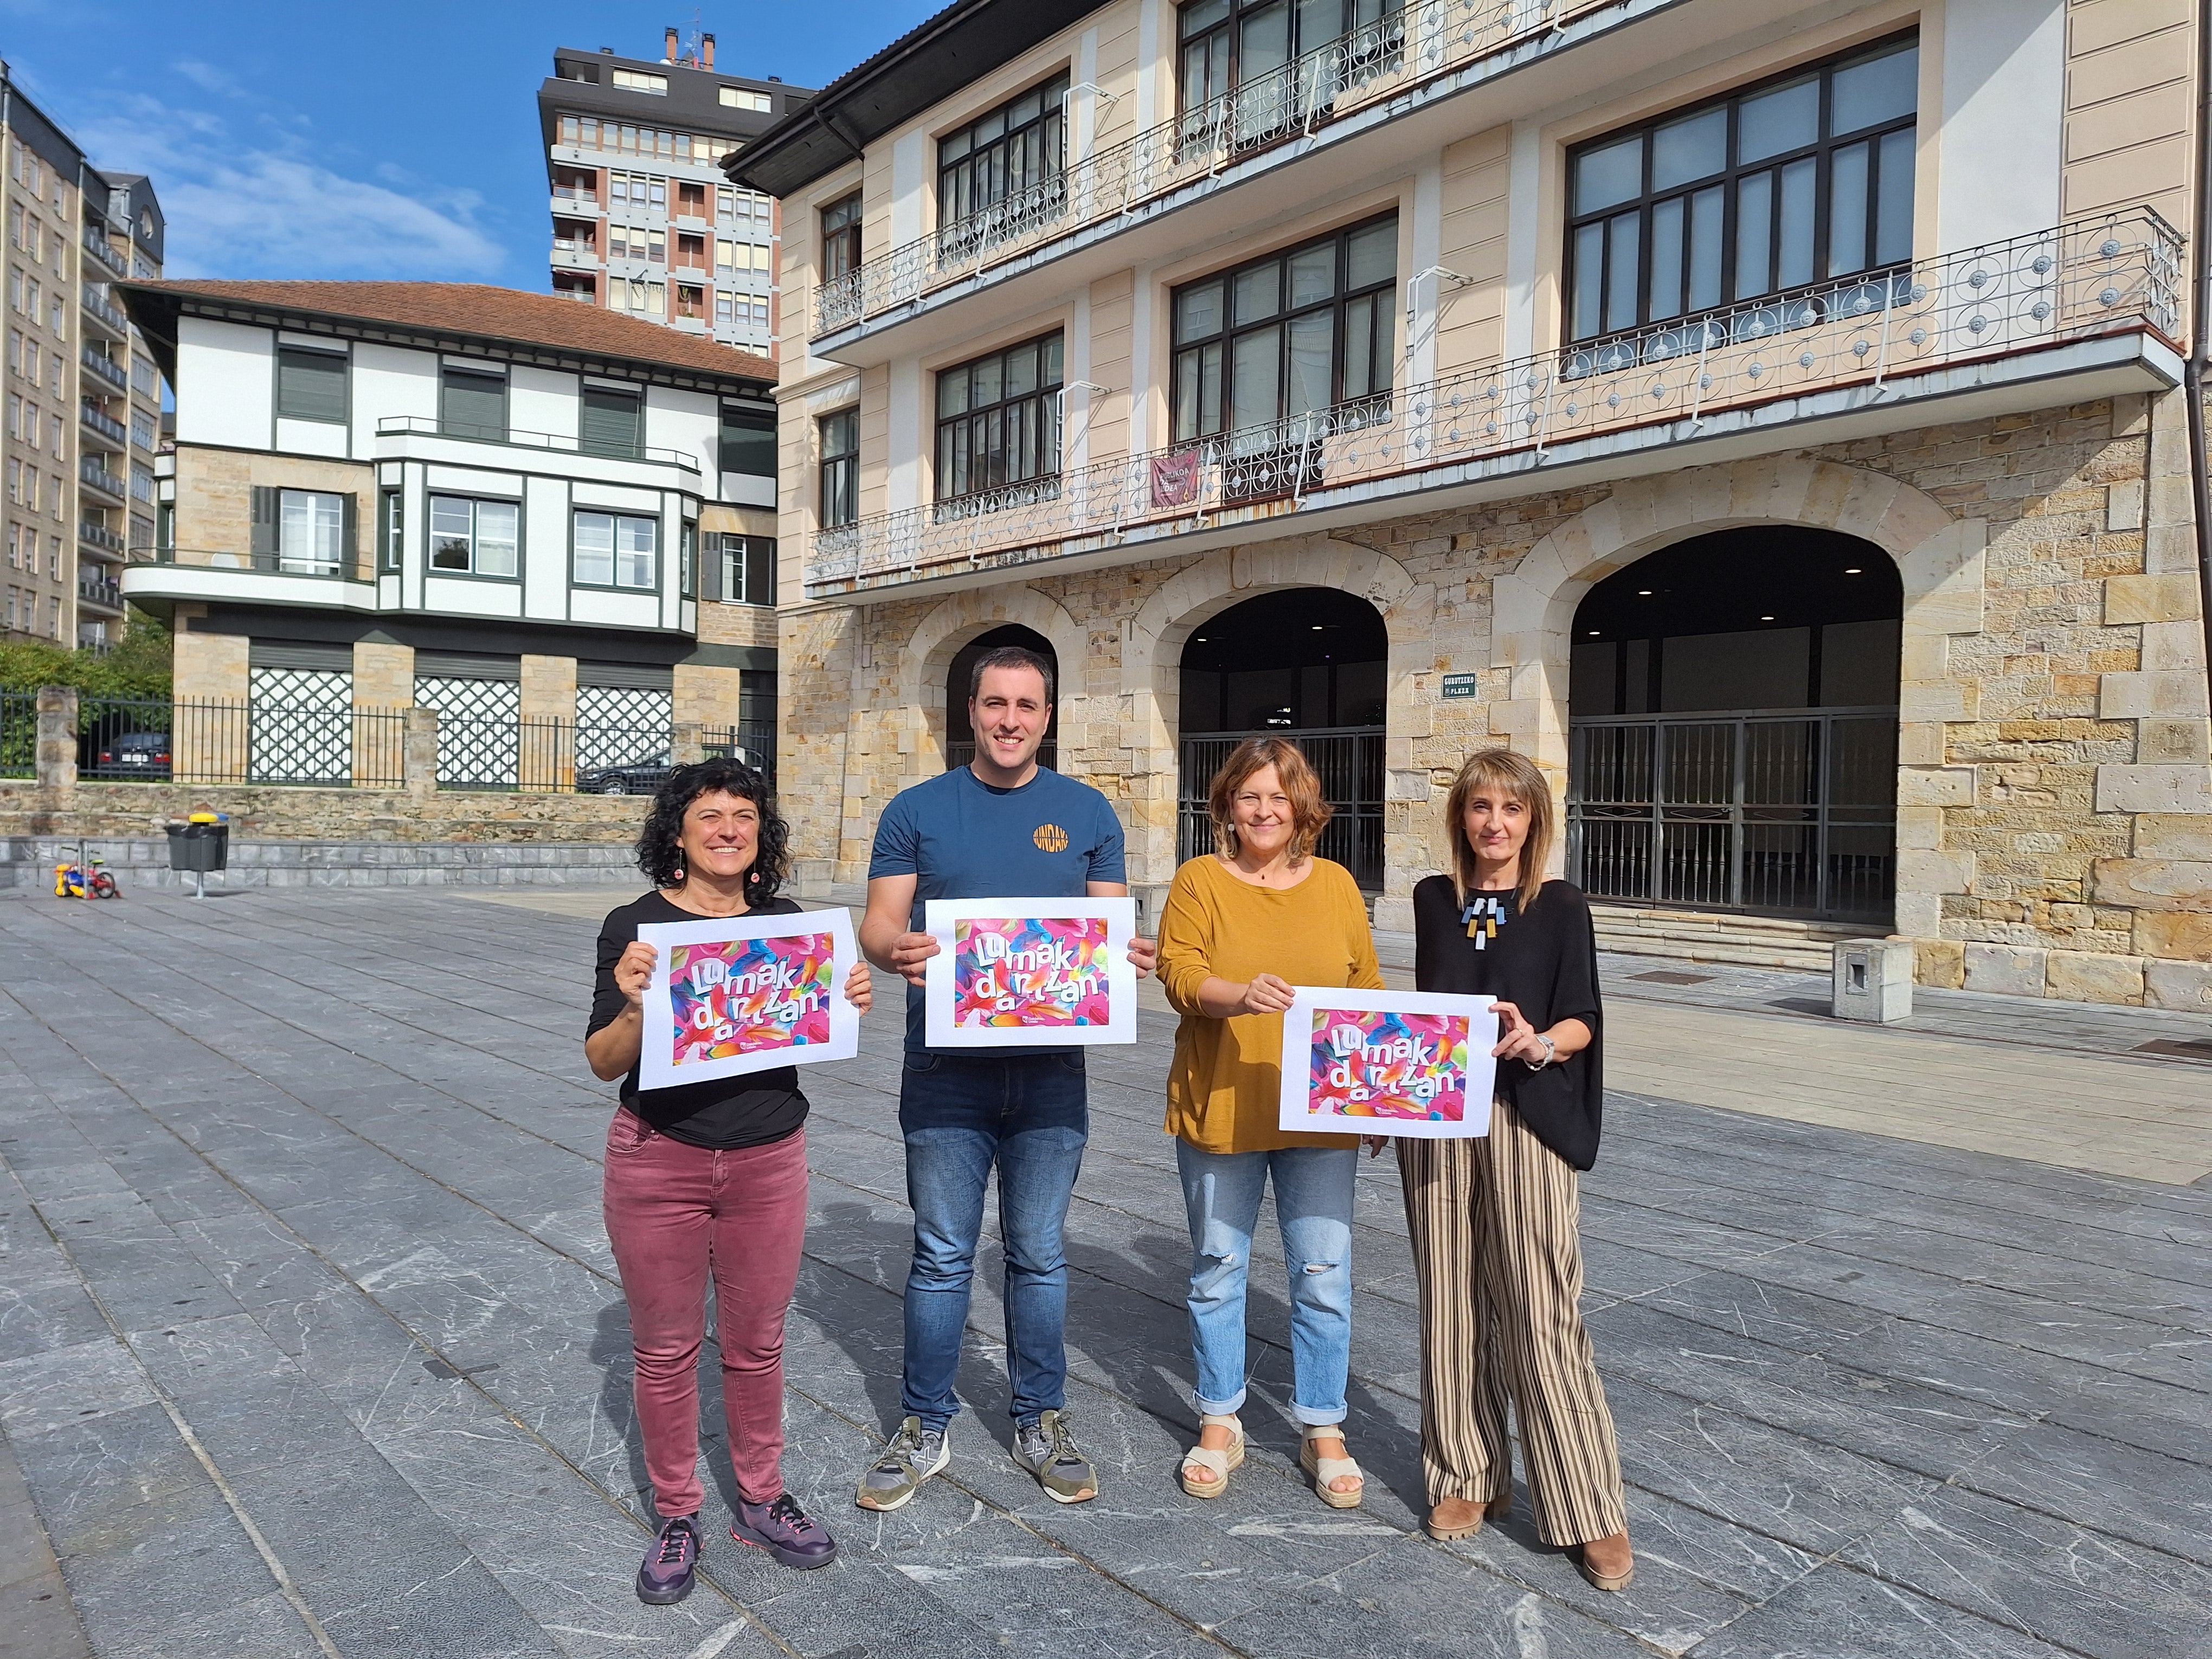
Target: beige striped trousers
1494,1225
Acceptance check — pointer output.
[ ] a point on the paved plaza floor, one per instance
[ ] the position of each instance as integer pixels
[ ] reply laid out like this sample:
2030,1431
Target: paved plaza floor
310,1342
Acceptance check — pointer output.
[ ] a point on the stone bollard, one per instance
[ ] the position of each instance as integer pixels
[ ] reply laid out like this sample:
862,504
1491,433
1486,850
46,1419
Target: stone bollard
56,762
1873,980
419,755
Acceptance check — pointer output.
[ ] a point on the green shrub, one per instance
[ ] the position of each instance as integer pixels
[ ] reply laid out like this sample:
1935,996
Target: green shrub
138,666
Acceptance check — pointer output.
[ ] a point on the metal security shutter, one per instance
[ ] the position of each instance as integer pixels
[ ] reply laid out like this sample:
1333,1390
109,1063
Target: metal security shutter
473,405
299,653
311,385
650,676
465,665
614,422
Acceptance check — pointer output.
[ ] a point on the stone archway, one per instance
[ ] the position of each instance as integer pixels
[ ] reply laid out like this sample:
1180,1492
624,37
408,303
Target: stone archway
1939,562
967,615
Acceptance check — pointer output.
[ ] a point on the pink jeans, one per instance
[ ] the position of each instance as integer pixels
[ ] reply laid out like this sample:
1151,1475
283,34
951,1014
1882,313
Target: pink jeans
677,1213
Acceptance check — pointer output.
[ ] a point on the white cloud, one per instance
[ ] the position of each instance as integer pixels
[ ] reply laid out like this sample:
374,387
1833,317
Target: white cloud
270,207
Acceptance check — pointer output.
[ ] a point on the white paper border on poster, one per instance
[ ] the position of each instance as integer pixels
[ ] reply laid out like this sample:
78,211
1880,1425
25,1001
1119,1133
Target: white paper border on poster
656,1069
1298,1062
1120,916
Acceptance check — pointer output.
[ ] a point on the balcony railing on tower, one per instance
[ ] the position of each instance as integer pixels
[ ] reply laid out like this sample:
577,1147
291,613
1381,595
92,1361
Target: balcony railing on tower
2078,282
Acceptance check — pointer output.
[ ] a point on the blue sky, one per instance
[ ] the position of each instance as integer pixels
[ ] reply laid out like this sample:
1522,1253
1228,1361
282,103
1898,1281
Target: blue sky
398,139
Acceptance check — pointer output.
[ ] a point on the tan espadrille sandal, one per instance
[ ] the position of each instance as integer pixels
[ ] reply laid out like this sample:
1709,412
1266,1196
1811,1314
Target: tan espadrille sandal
1216,1463
1326,1469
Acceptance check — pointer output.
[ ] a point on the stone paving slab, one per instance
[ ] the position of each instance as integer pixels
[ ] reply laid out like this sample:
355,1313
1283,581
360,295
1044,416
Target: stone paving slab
310,1343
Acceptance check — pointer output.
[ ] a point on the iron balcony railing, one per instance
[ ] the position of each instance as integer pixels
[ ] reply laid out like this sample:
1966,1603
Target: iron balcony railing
97,246
426,427
352,568
100,536
100,591
107,314
100,477
106,425
106,368
1347,760
2096,277
1415,43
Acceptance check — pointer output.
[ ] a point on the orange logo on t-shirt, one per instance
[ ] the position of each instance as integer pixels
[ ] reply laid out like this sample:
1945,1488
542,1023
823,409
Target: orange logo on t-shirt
1050,838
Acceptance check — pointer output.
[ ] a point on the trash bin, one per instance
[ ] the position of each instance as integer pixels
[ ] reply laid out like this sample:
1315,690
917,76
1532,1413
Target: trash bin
199,845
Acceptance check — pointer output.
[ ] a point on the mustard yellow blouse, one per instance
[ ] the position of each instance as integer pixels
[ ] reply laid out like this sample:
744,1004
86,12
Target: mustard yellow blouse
1226,1078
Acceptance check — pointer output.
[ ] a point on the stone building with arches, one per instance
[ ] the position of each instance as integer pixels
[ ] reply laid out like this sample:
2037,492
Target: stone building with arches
1776,436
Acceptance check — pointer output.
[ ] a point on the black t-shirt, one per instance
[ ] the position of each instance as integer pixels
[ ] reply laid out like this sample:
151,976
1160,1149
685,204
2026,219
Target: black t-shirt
1543,962
729,1112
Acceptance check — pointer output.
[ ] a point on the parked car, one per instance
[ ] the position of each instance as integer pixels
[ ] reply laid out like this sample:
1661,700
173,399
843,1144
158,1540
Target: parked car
134,753
643,777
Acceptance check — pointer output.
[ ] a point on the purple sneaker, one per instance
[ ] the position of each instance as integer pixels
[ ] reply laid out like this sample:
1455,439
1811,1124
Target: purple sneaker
669,1563
785,1531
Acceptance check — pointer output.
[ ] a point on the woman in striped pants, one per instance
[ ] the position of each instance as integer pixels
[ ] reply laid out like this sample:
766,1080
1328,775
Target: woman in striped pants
1494,1220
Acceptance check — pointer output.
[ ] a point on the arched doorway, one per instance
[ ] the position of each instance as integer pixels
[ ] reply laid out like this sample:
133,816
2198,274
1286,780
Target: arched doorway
959,735
1733,723
1310,662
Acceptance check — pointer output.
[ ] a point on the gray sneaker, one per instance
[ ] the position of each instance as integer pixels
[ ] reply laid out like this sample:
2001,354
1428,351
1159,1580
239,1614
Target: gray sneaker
914,1455
1047,1449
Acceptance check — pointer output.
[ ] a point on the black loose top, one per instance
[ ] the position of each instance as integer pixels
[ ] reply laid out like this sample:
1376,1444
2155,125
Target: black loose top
1543,960
725,1113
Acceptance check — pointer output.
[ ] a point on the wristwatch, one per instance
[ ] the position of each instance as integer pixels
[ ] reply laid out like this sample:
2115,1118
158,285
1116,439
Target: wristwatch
1551,1054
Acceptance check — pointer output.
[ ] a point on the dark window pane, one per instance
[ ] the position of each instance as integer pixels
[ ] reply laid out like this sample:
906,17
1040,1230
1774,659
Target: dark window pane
1667,260
1372,255
1893,232
1359,347
1198,312
1795,265
1693,149
1884,89
1706,214
1603,177
1258,292
1589,279
1847,208
1255,377
1754,234
1621,294
1787,119
1313,276
748,440
1312,337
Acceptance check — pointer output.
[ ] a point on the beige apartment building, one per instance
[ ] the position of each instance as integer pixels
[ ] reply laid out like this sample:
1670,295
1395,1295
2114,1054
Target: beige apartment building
1765,415
83,395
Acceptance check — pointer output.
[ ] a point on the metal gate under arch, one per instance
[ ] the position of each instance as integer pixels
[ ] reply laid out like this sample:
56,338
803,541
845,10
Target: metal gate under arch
1786,812
1349,762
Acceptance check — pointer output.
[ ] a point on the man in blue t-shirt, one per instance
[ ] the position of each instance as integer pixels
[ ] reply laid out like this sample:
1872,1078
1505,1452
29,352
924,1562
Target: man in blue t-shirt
1002,827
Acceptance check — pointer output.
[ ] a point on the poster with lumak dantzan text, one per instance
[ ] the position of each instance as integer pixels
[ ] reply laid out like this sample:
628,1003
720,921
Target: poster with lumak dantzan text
1408,1063
1029,973
735,994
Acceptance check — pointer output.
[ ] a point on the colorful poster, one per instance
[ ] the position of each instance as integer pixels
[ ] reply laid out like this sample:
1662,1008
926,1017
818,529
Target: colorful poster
1025,973
746,993
1389,1063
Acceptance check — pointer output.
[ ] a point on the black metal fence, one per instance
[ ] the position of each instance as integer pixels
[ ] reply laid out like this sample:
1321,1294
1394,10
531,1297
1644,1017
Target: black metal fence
19,734
1349,762
1784,813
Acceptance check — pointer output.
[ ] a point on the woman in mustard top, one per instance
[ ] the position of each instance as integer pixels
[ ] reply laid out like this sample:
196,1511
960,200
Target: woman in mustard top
1241,928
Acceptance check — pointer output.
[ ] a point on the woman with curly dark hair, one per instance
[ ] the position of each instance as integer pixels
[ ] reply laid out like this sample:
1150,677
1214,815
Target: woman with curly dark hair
706,1179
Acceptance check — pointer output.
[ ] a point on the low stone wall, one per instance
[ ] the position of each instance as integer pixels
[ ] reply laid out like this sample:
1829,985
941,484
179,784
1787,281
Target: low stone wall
26,862
270,813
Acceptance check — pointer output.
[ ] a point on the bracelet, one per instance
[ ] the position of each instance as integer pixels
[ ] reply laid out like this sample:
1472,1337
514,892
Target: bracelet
1551,1054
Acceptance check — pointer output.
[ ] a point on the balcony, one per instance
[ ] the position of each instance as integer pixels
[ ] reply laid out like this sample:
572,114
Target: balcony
105,426
575,256
1428,50
1961,336
106,314
98,479
569,202
96,249
421,426
89,534
106,368
100,592
159,577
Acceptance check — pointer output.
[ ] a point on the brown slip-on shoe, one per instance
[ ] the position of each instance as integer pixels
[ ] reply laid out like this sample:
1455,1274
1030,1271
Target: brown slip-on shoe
1607,1562
1451,1518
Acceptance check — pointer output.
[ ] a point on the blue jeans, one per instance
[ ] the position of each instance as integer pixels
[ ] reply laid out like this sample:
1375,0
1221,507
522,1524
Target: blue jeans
1026,1115
1313,1202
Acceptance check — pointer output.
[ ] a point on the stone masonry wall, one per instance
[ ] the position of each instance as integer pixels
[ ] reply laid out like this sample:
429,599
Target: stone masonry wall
2054,807
271,813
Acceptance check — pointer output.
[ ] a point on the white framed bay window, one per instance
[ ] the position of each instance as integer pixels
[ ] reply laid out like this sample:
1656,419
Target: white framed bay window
617,550
471,537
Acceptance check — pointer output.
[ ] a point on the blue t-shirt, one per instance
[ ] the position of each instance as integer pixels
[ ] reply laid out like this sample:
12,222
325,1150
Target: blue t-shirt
963,839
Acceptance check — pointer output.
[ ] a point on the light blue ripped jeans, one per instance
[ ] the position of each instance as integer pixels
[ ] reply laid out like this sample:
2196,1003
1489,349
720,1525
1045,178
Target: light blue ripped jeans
1313,1202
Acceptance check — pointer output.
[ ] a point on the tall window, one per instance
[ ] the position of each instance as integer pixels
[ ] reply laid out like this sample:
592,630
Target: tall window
840,238
304,531
478,539
741,569
614,549
311,385
1296,333
392,526
840,468
1780,187
472,405
1016,148
997,421
1246,47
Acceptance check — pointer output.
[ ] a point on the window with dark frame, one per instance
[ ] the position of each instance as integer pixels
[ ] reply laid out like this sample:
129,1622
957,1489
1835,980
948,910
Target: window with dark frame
742,567
615,549
1293,334
613,421
1785,186
1247,46
998,422
840,238
472,405
840,436
747,439
475,537
391,524
311,385
1017,148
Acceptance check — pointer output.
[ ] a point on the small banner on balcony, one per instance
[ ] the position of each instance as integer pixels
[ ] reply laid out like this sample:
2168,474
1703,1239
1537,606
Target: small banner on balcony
1175,479
1029,973
734,994
1408,1063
